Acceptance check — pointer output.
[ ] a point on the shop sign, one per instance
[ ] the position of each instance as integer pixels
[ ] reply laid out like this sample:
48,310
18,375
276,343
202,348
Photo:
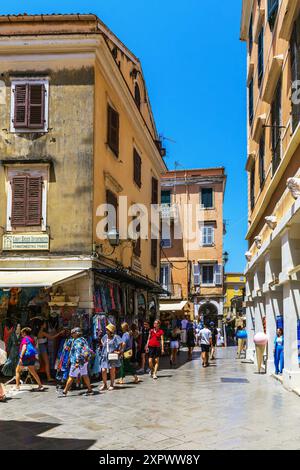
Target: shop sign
25,242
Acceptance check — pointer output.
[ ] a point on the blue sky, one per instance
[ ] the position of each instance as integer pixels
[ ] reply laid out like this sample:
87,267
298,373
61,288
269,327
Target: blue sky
195,68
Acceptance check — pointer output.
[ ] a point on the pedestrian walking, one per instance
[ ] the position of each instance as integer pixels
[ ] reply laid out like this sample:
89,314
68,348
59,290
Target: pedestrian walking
205,343
127,355
155,347
110,358
80,355
190,339
279,351
241,336
175,337
27,358
214,336
144,335
40,331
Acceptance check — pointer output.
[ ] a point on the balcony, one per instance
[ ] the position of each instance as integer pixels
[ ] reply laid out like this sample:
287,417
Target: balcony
174,292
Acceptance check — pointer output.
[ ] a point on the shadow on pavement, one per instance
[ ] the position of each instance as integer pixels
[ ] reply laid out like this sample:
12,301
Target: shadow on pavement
24,435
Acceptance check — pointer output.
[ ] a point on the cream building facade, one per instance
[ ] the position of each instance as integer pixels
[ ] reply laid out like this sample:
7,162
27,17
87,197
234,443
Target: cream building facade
272,32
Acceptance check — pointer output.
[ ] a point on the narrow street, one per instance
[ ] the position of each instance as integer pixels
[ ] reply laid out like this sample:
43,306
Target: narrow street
227,406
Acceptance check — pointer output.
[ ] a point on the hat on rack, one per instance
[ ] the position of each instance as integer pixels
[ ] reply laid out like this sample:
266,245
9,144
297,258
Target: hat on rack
110,327
77,331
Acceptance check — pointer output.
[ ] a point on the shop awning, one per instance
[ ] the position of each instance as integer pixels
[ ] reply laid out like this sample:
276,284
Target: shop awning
125,276
173,307
37,278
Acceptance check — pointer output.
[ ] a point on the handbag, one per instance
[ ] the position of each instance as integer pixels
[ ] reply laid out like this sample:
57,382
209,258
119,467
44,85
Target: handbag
111,356
128,354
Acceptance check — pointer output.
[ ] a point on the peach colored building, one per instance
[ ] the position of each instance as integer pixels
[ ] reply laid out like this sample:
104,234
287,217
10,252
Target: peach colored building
191,264
271,29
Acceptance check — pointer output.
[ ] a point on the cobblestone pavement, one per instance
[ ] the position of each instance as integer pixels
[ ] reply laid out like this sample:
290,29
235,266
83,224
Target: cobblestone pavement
226,406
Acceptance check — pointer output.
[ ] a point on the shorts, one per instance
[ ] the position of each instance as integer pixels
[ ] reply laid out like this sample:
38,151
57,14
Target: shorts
30,361
81,371
42,348
174,345
205,348
154,352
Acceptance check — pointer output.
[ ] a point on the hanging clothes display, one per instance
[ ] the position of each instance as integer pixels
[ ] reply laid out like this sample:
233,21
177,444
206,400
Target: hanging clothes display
13,347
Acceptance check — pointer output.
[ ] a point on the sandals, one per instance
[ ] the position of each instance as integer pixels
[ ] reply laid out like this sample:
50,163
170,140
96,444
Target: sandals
120,382
103,388
111,388
40,388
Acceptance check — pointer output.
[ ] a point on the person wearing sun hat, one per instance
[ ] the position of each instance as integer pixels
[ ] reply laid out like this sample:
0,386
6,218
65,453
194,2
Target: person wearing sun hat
110,356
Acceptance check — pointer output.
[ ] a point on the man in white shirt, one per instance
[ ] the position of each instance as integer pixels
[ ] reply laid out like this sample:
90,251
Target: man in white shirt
205,343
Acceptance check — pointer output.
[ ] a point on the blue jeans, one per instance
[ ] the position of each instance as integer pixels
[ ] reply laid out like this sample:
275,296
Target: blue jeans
279,359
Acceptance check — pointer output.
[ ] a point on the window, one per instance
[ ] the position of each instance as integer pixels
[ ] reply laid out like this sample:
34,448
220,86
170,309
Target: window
262,159
276,127
252,188
154,191
208,275
260,56
137,246
137,96
272,12
154,252
137,168
166,237
165,275
251,108
166,197
295,65
207,235
218,274
113,124
26,201
251,35
207,198
29,106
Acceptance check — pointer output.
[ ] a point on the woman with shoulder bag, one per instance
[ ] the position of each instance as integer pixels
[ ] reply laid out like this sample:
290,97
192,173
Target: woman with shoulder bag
126,364
28,354
110,356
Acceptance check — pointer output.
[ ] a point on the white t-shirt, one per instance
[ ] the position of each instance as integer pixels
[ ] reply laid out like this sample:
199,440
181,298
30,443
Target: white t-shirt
205,336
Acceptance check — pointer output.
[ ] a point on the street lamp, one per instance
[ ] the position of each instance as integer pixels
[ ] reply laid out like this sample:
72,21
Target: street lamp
225,257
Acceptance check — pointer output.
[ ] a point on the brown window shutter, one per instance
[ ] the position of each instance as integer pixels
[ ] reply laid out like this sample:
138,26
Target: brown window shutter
137,246
21,106
137,168
154,253
113,124
112,200
34,201
36,105
18,213
154,191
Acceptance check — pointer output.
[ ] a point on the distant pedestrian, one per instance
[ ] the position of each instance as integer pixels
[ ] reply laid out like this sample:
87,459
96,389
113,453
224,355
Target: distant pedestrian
144,335
127,353
175,337
205,343
214,336
279,351
155,347
80,355
2,394
110,358
241,336
27,359
190,339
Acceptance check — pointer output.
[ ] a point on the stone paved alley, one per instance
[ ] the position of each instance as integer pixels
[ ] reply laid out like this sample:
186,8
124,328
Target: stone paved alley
227,406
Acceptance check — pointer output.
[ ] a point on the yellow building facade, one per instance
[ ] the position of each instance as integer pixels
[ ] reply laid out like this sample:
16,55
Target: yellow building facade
272,30
77,132
234,287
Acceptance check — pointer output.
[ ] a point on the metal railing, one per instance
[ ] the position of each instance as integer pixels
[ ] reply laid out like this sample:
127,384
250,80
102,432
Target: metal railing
173,291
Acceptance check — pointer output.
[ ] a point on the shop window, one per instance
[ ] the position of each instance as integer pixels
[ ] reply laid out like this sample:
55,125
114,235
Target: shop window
113,125
29,106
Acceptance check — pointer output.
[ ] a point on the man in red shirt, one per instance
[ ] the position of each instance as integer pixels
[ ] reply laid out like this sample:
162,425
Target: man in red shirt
155,347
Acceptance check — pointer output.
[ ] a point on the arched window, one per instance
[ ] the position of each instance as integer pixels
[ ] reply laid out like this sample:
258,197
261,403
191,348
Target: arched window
137,96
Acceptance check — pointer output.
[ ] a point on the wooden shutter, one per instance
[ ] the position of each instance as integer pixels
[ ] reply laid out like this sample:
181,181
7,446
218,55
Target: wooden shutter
113,125
218,274
18,213
36,105
21,106
137,246
154,253
196,272
154,185
112,200
137,168
34,201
